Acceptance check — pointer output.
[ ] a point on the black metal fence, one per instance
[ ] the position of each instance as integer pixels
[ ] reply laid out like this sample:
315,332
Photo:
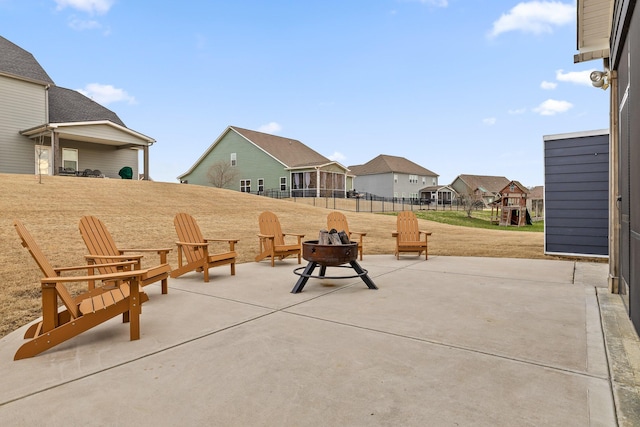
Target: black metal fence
361,202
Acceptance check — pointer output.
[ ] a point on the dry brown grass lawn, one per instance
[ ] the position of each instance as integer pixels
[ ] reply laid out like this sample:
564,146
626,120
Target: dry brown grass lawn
140,214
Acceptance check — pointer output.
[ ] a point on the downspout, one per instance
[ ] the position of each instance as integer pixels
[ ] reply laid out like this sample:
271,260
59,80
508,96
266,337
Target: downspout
614,191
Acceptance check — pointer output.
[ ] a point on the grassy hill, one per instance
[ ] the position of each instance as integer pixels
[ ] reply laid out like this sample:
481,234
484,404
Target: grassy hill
140,214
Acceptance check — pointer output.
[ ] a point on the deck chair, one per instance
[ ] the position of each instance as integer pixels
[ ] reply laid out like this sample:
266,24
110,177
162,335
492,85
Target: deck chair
272,239
408,235
338,221
194,248
121,296
102,249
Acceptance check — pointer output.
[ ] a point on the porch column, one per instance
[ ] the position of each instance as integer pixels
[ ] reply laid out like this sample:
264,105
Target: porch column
317,182
55,152
145,161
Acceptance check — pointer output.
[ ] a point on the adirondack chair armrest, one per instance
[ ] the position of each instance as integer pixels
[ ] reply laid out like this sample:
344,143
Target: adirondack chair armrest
195,245
293,234
86,267
159,251
266,236
47,281
222,240
358,233
394,234
428,233
124,258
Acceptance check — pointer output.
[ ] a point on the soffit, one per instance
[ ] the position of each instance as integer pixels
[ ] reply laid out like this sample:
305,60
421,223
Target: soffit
594,29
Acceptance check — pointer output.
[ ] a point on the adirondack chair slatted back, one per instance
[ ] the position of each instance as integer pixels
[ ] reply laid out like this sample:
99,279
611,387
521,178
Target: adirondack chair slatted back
408,230
98,241
189,232
46,267
338,221
270,225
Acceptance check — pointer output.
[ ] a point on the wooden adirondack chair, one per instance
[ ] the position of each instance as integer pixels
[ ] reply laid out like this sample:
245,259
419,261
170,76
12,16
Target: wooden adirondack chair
121,296
338,221
272,239
408,235
102,249
194,248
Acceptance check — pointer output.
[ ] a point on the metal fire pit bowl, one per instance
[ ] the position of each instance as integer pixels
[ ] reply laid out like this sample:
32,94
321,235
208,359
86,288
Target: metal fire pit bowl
329,255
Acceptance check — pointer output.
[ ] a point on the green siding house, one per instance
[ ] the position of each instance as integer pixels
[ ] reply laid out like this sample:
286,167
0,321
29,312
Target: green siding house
260,163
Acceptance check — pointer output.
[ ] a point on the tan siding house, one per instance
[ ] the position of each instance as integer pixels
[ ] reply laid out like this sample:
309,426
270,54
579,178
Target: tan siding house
52,130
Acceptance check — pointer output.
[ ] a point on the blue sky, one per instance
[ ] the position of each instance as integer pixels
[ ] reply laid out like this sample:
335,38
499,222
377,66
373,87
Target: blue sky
457,86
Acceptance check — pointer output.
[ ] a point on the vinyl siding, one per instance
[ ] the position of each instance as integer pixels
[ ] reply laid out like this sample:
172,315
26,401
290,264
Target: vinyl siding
380,185
577,194
22,106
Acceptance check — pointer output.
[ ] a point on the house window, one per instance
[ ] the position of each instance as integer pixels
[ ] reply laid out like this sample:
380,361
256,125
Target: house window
245,185
434,181
413,179
283,183
395,178
424,180
70,159
233,159
260,185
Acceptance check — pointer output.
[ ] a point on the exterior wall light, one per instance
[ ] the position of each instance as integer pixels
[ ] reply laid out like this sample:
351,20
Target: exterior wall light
600,79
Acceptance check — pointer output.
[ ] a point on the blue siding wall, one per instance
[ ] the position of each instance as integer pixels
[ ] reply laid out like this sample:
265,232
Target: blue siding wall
577,194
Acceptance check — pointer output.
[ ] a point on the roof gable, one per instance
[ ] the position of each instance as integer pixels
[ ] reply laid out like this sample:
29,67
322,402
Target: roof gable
290,152
66,105
18,62
390,164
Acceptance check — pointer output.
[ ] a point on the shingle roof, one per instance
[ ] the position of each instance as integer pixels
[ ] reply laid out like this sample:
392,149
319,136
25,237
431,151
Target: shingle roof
18,62
291,152
489,184
388,164
66,105
537,192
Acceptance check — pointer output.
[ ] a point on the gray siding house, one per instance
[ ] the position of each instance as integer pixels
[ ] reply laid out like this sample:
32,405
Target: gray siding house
262,163
576,170
392,177
51,130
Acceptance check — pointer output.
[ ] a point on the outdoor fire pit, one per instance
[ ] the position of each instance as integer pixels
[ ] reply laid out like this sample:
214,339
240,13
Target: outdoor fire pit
329,256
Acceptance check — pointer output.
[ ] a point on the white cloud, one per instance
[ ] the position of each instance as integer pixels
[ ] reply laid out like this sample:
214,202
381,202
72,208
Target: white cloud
81,24
438,3
489,121
106,94
535,17
548,85
577,77
518,111
271,127
551,107
337,157
99,7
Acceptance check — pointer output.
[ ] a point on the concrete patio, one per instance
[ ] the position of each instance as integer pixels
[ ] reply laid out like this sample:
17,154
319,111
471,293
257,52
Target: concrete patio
444,342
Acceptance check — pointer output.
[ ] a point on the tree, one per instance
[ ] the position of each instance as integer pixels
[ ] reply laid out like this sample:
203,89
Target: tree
221,174
470,200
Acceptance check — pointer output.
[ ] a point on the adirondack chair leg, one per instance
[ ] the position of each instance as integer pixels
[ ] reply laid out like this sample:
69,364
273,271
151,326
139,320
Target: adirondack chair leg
233,268
134,310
